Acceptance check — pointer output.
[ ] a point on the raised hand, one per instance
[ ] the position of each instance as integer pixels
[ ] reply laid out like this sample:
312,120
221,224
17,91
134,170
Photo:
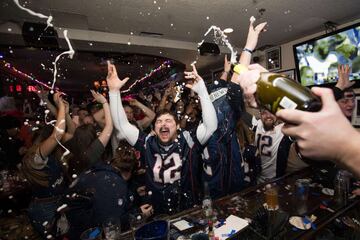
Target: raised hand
168,91
113,81
227,64
41,93
344,81
133,102
59,102
253,33
99,98
196,82
157,94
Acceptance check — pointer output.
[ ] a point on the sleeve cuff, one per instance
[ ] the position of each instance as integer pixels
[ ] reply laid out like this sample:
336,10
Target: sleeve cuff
114,93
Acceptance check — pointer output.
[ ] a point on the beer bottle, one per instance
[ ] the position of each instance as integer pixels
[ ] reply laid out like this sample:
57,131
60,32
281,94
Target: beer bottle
207,203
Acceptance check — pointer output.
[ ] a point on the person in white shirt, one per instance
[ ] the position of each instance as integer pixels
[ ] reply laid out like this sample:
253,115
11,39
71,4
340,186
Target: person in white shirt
273,147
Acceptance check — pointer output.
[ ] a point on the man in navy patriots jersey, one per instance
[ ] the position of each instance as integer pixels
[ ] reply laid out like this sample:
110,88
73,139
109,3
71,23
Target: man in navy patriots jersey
172,159
222,157
223,161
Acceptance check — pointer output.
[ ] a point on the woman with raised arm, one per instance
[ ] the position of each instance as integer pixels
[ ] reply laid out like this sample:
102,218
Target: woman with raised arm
86,147
44,172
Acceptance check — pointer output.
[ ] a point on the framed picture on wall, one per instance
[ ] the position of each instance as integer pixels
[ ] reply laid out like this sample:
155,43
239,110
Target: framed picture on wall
356,114
290,73
273,59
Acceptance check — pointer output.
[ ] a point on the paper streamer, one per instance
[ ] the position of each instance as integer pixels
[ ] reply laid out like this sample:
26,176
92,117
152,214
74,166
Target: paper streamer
31,12
70,52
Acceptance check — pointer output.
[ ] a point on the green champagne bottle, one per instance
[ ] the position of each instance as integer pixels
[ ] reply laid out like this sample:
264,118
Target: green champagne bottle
276,91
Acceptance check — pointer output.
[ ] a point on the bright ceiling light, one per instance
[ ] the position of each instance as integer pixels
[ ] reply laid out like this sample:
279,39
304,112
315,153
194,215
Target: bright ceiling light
228,30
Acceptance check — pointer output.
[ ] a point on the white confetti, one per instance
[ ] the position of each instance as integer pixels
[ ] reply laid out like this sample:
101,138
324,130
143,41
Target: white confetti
61,207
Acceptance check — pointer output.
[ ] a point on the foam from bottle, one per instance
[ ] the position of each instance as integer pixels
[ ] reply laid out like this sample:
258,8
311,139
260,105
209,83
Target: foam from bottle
221,37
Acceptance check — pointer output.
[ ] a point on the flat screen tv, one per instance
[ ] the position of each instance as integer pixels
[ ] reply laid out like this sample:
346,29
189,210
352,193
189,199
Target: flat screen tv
317,59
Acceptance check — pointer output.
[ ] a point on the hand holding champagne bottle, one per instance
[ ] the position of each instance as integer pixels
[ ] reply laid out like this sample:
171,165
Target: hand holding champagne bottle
247,77
273,90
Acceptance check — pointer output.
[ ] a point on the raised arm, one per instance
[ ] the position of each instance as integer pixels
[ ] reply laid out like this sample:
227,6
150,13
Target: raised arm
107,130
247,80
70,125
47,146
163,103
209,124
227,67
99,117
343,81
121,123
43,95
149,114
251,41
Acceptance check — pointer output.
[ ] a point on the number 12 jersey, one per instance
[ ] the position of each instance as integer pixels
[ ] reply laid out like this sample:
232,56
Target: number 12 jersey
173,172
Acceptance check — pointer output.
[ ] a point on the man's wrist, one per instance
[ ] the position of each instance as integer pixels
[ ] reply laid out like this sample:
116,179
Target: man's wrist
248,50
250,47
